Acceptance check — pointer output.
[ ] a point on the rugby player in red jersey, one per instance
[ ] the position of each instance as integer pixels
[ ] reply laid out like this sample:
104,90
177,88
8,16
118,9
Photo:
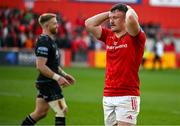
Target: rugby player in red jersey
125,42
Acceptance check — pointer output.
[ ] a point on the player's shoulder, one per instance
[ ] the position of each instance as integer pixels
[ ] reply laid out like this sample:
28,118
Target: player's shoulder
43,40
141,34
142,31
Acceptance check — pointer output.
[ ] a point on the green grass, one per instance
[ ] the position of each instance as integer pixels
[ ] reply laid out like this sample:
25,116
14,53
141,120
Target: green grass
160,96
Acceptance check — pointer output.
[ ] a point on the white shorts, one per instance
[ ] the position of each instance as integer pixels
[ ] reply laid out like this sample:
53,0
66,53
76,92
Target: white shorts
121,108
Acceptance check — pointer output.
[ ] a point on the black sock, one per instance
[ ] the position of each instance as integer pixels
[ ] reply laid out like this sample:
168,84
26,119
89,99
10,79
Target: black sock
29,121
60,121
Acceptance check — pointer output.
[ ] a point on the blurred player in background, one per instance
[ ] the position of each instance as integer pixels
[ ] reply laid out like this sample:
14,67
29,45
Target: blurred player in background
125,46
158,51
51,77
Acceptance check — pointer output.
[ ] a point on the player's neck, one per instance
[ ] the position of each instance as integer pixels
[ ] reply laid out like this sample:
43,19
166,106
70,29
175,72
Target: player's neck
120,34
48,33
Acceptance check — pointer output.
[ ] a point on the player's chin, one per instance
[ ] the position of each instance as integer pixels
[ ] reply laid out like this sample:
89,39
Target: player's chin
113,29
56,31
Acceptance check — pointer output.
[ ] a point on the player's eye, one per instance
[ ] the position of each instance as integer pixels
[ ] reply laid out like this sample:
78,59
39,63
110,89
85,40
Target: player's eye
116,17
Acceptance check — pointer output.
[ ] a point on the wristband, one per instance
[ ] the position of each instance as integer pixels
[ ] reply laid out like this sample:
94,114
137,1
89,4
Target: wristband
56,77
63,73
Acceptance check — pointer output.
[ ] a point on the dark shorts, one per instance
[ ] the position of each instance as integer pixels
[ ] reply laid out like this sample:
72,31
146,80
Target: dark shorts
49,91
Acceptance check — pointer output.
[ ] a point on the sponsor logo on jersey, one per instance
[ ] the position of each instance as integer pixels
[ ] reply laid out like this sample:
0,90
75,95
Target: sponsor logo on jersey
115,43
42,50
116,47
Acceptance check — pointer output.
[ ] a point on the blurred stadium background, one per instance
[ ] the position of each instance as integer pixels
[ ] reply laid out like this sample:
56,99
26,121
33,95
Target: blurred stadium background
84,57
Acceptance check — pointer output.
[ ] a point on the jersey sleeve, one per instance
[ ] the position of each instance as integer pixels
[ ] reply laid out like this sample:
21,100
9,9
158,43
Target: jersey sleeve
104,35
42,48
141,37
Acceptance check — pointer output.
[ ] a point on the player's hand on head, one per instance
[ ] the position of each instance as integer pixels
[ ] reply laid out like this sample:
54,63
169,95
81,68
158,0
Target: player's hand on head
129,7
70,79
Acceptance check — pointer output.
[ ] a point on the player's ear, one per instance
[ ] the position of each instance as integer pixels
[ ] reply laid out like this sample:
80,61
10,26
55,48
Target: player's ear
45,25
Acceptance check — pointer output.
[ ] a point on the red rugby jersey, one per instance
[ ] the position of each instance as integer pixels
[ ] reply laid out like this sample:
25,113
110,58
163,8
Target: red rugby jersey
123,58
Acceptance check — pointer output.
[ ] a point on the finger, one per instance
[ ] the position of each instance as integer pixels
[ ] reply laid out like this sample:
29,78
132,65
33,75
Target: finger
66,82
71,79
64,85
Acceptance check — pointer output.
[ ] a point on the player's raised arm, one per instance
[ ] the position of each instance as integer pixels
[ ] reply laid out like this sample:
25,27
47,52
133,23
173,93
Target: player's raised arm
132,24
93,24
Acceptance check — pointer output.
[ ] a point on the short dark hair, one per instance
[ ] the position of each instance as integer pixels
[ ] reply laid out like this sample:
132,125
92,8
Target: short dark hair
46,17
120,7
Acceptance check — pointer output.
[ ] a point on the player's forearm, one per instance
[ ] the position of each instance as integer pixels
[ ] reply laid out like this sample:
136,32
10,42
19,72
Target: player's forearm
131,15
46,71
132,23
43,69
97,20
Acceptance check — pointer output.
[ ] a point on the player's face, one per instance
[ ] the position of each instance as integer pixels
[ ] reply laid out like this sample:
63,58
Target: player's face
117,21
53,26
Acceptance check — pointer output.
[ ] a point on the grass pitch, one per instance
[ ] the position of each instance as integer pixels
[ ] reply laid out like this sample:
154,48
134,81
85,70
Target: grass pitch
160,96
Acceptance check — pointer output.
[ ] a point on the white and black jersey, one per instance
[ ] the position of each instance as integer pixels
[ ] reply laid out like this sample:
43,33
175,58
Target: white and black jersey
46,47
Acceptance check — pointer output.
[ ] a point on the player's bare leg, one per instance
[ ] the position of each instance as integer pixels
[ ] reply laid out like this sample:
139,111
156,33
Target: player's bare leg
40,112
41,109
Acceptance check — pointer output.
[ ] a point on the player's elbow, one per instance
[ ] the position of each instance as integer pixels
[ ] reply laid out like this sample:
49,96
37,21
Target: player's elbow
87,22
131,16
131,19
39,67
88,25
